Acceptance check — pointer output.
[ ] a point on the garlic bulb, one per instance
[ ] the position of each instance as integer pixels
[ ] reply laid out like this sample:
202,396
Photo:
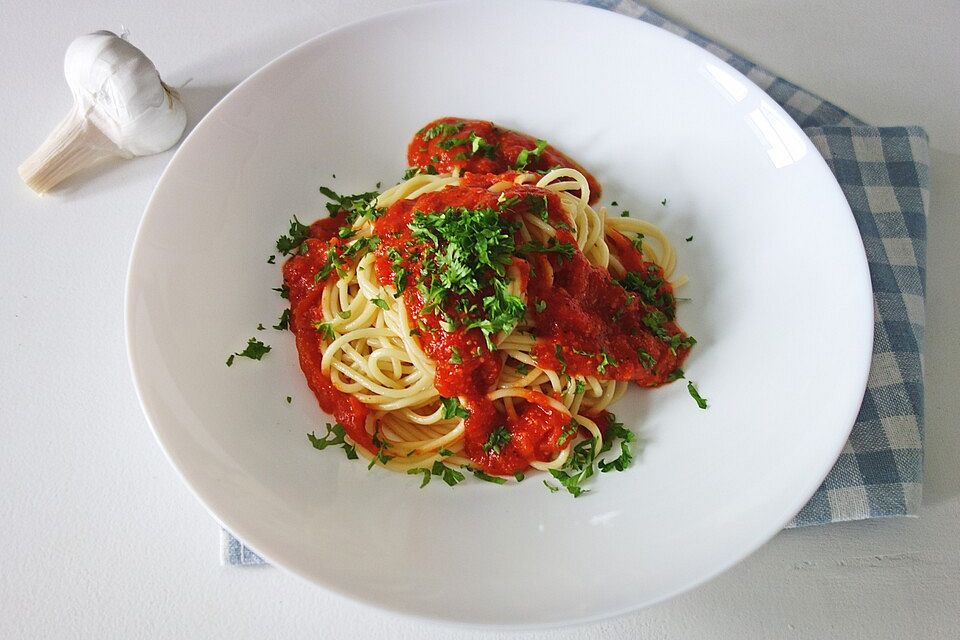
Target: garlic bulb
121,109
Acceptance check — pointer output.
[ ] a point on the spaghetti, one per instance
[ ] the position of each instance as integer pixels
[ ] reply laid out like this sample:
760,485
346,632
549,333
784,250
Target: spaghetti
482,313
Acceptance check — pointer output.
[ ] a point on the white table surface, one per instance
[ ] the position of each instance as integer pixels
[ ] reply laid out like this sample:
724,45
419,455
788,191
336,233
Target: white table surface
99,538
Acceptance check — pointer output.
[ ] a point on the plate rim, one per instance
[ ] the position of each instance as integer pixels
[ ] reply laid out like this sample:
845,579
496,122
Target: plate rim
759,539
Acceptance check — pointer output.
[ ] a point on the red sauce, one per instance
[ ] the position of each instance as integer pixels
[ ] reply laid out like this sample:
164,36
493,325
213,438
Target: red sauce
453,147
588,324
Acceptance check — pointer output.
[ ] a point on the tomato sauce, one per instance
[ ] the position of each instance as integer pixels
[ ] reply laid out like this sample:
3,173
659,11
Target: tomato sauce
451,143
585,322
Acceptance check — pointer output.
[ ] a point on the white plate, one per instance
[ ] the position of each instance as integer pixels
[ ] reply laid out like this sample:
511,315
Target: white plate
781,305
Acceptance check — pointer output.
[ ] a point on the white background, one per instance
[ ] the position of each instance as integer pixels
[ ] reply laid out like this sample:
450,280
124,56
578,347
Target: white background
99,537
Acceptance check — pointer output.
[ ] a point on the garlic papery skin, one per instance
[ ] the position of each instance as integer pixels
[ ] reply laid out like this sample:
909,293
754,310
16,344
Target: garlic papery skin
121,109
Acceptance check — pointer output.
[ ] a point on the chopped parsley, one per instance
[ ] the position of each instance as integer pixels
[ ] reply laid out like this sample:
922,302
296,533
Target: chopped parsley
605,361
674,375
568,432
553,488
647,360
519,476
690,239
421,471
467,251
540,305
664,202
453,409
455,357
488,478
481,146
295,237
563,249
615,430
522,368
381,446
701,401
325,329
336,435
497,440
272,259
289,399
558,354
283,322
649,286
624,214
344,314
284,291
450,476
441,129
354,206
260,327
446,453
526,156
380,302
255,350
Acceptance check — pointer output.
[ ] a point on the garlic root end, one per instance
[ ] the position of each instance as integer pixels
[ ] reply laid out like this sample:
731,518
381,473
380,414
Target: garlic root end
75,144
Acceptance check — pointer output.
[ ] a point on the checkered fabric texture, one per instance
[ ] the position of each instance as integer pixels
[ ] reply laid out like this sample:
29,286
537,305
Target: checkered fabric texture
885,175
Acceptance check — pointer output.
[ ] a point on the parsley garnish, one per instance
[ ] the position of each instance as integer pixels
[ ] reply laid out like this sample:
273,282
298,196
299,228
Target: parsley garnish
284,291
701,401
690,239
540,305
450,476
441,129
455,357
296,235
615,430
614,204
336,435
284,321
664,202
563,249
289,399
624,214
255,350
605,361
488,478
453,409
446,452
355,206
519,476
646,359
260,327
524,157
578,467
272,259
674,375
497,440
558,353
553,488
522,368
380,302
381,446
325,329
568,432
479,145
466,251
421,471
344,314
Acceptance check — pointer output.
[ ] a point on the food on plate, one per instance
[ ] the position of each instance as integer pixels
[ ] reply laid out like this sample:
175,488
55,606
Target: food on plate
482,313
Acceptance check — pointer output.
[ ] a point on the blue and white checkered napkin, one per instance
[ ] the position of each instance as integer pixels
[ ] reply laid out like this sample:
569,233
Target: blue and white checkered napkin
885,175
